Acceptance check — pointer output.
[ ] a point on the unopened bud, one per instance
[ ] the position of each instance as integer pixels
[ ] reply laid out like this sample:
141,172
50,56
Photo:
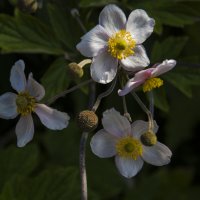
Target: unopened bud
148,138
28,6
87,120
75,70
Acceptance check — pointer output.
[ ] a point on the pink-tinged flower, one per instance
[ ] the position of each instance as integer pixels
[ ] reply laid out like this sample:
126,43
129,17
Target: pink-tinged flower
117,40
148,78
29,92
131,144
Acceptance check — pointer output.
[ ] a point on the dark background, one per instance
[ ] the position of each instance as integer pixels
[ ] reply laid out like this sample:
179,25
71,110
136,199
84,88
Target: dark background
47,168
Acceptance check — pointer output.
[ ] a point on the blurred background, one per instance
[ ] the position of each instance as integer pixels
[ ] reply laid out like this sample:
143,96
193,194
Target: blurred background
44,34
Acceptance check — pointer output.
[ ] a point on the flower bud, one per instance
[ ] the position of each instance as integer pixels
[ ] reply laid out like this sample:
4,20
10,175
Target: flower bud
28,6
87,120
75,70
148,139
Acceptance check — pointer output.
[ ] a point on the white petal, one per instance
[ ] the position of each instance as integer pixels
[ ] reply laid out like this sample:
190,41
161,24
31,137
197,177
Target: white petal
140,25
103,144
137,61
112,18
157,155
139,127
24,130
165,66
17,76
128,167
116,124
52,118
8,108
93,41
104,68
35,89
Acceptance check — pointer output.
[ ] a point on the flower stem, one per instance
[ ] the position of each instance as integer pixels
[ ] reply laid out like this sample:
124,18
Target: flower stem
62,94
104,94
145,109
126,113
151,102
84,195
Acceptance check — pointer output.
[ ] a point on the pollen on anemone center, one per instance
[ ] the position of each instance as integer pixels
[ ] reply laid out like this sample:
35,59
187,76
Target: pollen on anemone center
25,103
121,45
129,147
152,83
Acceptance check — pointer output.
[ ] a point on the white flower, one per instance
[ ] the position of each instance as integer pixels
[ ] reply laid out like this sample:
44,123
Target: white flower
116,39
25,102
131,144
147,78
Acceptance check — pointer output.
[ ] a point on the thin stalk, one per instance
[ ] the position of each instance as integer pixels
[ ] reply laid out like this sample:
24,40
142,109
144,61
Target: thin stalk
151,102
104,94
84,194
62,94
126,113
145,109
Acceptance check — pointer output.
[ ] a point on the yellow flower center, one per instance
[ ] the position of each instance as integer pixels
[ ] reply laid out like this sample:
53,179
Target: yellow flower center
151,84
121,45
129,147
25,103
148,139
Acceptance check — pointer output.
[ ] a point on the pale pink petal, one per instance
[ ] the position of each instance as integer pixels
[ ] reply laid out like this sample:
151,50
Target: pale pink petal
157,155
103,144
17,76
136,62
165,66
8,108
130,85
34,88
116,124
139,78
52,118
113,19
140,25
93,41
140,127
24,130
104,68
128,167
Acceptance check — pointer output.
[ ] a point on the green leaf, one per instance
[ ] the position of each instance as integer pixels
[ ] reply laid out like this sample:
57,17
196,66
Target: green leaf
56,79
94,3
18,161
171,48
60,22
24,33
62,183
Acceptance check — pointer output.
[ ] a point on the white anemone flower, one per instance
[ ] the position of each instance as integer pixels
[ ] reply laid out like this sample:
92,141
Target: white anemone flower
29,92
148,77
131,144
117,40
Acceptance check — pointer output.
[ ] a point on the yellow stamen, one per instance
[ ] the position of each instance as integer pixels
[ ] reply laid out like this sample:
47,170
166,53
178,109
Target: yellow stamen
129,147
148,138
121,45
25,103
151,84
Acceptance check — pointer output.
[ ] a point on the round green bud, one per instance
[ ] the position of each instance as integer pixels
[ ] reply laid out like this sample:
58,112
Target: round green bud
148,139
75,70
87,120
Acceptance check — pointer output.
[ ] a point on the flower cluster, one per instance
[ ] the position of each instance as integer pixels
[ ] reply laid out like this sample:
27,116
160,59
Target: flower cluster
115,47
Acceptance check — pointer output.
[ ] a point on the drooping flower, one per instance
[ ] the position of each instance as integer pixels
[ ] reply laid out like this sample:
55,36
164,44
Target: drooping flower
148,78
116,39
24,103
131,144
